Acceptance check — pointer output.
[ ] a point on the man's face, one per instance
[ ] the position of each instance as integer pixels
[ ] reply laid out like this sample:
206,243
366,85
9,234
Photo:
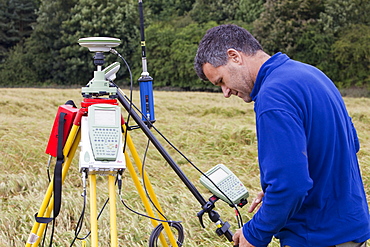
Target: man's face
233,78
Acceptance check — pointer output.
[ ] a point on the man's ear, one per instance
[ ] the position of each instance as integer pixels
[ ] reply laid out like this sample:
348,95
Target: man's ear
233,55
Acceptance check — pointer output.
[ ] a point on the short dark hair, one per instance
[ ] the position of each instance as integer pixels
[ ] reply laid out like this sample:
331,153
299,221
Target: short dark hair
215,43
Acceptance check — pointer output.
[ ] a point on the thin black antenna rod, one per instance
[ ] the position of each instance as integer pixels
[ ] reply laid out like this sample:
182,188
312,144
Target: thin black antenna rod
143,49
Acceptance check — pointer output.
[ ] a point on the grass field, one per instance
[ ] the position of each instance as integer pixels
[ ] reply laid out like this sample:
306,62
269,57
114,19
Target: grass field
207,128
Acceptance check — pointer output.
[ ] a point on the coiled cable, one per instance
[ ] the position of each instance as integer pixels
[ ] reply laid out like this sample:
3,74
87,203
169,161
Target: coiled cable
159,228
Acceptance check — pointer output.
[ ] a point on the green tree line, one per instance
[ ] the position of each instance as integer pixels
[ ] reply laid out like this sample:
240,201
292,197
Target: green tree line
38,38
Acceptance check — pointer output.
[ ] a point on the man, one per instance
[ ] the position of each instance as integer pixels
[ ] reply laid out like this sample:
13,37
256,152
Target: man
312,191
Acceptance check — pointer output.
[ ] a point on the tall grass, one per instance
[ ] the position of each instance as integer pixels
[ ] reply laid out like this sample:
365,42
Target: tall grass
207,128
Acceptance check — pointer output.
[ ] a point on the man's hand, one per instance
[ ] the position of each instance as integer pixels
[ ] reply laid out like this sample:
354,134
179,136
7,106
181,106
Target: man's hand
256,202
238,237
240,240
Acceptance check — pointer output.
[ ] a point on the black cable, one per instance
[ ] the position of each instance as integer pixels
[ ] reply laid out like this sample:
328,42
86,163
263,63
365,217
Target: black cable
80,220
49,179
144,215
101,211
43,239
144,185
238,219
48,169
79,226
158,229
131,90
52,234
135,212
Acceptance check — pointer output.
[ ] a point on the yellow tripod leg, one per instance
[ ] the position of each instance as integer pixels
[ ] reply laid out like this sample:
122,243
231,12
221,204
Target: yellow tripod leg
112,211
93,211
48,202
150,191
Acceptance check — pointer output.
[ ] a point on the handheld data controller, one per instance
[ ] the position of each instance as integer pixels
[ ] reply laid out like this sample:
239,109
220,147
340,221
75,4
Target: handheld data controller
227,182
101,139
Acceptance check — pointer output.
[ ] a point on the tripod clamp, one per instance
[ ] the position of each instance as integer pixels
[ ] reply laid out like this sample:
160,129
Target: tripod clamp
99,59
222,227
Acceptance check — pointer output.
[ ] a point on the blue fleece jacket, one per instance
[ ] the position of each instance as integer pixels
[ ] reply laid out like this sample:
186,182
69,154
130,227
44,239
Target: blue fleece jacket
307,146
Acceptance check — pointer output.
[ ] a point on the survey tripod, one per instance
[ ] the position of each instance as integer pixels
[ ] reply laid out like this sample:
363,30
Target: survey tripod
72,127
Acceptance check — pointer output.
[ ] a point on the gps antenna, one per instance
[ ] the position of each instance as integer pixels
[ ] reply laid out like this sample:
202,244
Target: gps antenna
145,81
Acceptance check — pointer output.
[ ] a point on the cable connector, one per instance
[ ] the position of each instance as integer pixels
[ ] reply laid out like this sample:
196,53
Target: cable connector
113,51
119,181
84,177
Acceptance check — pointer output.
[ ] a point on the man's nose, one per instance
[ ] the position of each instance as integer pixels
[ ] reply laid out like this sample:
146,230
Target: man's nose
226,91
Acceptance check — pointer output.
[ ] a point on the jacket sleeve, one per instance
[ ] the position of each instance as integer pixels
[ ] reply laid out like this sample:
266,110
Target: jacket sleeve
285,179
355,137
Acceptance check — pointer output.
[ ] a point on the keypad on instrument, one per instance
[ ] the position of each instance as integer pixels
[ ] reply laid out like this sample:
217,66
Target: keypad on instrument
105,142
